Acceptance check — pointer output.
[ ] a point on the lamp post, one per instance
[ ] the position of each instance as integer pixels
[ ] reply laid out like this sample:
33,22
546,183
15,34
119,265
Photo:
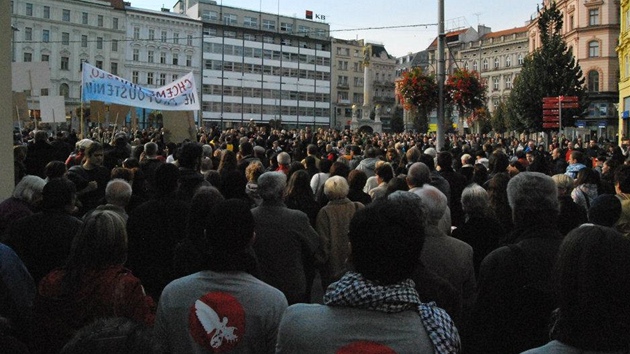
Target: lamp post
441,75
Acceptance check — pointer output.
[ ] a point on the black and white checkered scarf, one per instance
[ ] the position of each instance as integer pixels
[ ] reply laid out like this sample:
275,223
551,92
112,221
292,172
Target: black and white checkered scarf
353,290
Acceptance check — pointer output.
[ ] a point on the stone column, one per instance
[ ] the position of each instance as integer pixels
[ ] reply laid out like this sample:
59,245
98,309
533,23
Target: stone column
6,113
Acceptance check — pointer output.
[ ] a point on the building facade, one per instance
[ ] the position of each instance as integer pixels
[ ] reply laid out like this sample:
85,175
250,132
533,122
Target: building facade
65,34
347,77
262,67
591,31
623,51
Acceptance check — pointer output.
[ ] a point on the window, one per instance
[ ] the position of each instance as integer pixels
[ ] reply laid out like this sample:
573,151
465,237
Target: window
65,15
571,24
508,82
134,76
136,33
29,9
230,19
189,39
303,29
162,80
229,34
114,45
114,68
593,49
176,38
45,36
99,64
286,27
163,37
84,18
99,42
188,60
151,34
45,57
43,92
593,81
475,66
136,54
28,57
46,12
64,90
115,23
485,64
250,21
150,56
28,34
149,78
466,65
495,83
175,59
163,58
99,20
65,63
84,41
267,39
520,59
626,61
496,63
65,38
269,24
508,61
593,17
174,77
208,15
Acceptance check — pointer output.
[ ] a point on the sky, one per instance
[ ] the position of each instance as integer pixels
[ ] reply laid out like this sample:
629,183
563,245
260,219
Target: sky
373,20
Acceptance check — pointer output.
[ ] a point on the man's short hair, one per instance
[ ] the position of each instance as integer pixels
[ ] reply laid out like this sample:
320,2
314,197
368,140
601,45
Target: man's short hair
230,227
246,148
434,201
532,191
271,185
283,158
418,175
150,149
622,177
384,171
118,192
190,155
311,149
413,155
58,193
386,240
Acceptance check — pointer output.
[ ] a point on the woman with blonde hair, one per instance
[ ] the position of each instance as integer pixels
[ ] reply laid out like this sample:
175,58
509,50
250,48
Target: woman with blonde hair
333,222
93,284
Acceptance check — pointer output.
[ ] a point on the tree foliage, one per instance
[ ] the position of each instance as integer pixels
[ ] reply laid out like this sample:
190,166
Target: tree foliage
466,90
418,93
549,71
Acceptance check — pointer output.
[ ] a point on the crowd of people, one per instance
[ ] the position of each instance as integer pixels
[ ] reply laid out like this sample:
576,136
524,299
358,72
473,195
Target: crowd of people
258,240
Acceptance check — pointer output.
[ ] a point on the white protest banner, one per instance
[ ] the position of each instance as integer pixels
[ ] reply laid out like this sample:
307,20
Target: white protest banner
53,109
179,95
32,76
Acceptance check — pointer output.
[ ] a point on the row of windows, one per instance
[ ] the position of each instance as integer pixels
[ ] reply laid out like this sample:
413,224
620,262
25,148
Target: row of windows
64,62
228,107
65,39
496,62
266,24
150,58
496,82
213,32
265,93
152,79
248,52
265,69
175,39
66,16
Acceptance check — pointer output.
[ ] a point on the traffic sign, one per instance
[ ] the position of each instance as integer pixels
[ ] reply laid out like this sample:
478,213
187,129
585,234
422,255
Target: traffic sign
551,106
551,125
570,105
547,119
550,100
568,99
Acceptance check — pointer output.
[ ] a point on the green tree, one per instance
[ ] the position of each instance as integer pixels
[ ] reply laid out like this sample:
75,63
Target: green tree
549,71
467,91
499,118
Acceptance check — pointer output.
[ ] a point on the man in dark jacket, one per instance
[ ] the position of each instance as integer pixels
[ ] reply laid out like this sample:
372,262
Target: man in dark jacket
515,300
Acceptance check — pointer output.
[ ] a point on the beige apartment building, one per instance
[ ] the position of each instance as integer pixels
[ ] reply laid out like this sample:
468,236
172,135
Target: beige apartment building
591,30
349,86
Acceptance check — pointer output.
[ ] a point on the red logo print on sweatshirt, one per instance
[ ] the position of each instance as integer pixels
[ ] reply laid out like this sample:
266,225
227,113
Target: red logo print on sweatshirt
217,322
365,347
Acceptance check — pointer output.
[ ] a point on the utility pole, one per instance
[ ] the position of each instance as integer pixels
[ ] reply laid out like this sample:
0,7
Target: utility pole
441,76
